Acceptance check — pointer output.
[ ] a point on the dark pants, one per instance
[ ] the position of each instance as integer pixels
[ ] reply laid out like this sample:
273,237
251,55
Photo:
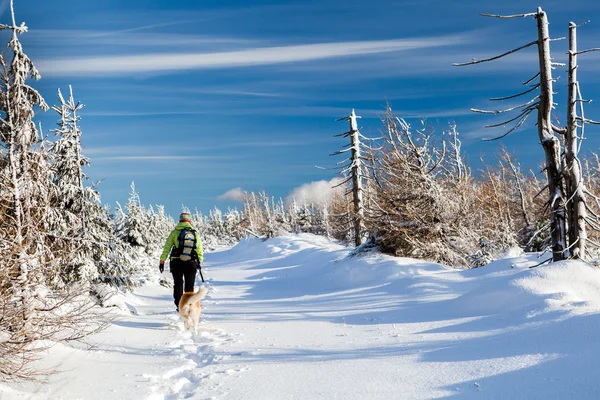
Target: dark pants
184,275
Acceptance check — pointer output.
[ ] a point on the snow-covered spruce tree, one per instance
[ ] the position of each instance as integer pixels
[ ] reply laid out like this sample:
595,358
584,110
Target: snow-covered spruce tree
109,253
282,217
119,217
133,244
34,312
232,225
293,216
310,219
253,217
270,227
200,222
320,217
18,133
219,229
69,161
161,225
74,204
134,228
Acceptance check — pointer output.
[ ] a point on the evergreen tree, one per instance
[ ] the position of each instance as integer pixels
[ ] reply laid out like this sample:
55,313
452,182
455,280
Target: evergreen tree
134,227
74,203
31,251
69,161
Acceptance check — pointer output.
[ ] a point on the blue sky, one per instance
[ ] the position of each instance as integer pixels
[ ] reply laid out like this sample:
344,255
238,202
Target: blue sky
191,99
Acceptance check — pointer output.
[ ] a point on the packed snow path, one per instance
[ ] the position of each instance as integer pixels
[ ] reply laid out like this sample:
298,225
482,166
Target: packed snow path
295,318
315,324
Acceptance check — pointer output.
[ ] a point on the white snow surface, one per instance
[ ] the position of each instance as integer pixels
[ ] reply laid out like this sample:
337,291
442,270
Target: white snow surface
295,318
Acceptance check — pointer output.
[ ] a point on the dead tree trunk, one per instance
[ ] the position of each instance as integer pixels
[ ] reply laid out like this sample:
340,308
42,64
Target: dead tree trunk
575,190
355,171
543,103
549,142
357,190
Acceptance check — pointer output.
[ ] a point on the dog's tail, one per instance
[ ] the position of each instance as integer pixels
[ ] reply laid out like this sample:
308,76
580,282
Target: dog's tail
199,295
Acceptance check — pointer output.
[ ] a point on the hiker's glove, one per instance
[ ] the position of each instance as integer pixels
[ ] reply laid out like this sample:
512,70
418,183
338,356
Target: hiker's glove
198,266
161,267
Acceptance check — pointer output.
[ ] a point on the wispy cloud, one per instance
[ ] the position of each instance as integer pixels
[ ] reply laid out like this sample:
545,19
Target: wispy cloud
145,27
327,111
119,113
164,62
230,92
448,113
157,158
110,151
92,38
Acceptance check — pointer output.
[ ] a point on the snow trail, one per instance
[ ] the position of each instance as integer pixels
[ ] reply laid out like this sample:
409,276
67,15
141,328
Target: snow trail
315,324
295,318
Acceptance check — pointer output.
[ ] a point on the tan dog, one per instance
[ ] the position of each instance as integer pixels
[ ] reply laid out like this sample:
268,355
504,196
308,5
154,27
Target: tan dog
189,308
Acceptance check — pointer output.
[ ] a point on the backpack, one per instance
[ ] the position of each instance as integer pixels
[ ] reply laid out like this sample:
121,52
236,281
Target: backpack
186,249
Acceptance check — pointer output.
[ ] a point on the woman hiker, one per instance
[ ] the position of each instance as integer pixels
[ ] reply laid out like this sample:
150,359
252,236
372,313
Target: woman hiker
186,256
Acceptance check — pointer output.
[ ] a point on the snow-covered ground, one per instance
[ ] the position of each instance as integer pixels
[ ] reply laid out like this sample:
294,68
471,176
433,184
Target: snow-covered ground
295,318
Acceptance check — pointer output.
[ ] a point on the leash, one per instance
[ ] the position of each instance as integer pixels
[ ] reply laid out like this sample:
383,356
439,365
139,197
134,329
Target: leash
200,270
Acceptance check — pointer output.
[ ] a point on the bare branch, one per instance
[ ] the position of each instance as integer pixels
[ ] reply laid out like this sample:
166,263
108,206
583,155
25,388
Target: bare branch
525,111
342,134
587,51
588,121
537,85
541,263
527,82
509,16
583,23
496,57
341,151
506,110
559,130
342,183
518,124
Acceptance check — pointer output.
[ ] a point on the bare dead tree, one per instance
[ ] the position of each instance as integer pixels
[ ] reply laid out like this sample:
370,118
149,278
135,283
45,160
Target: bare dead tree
579,213
543,103
354,172
575,190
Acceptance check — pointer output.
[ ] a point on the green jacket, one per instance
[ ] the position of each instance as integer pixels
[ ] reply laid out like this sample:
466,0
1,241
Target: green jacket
172,241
